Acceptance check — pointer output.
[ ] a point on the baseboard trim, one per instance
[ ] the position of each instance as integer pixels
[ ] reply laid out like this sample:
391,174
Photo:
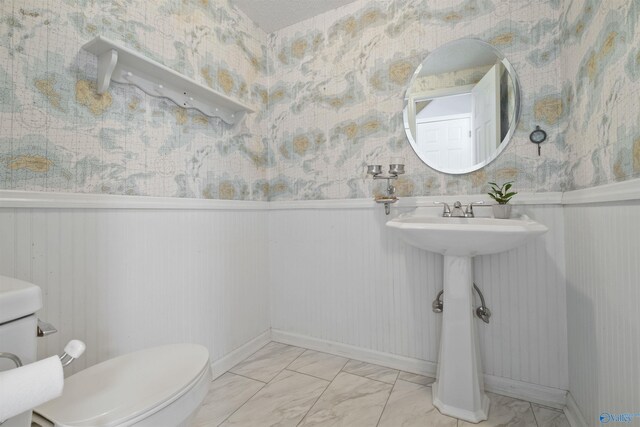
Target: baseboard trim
540,394
416,366
535,393
573,413
228,361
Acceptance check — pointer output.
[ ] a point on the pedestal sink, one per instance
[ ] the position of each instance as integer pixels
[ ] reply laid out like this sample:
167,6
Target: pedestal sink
459,389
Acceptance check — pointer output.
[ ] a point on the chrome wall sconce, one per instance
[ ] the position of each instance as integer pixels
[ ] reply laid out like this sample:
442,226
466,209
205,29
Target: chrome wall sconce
395,169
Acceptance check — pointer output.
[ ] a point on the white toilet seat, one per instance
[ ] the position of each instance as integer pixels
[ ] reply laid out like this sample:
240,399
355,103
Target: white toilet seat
128,389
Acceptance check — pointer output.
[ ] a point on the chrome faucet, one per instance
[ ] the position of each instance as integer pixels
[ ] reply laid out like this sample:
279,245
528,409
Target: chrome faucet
446,211
457,211
468,212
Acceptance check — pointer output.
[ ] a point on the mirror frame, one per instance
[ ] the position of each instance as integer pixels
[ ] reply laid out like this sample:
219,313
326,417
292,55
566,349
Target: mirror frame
512,127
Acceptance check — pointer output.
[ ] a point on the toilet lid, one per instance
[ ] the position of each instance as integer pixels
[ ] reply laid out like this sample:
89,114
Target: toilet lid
127,387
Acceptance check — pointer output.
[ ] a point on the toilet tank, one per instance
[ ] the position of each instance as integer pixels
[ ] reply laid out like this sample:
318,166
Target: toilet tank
19,300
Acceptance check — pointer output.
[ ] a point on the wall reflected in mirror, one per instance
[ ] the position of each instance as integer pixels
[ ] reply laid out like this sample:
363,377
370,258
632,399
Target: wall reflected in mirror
462,106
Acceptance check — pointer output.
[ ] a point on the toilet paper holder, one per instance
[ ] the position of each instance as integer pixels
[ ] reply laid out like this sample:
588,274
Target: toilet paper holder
15,359
72,351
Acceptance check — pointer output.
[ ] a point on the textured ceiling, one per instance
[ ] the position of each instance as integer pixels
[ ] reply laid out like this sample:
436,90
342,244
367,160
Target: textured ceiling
272,15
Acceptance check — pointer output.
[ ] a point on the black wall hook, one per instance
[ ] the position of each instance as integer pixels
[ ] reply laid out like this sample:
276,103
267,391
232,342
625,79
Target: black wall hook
538,136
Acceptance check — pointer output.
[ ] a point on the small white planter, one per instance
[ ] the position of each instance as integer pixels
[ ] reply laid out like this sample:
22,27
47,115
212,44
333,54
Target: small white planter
501,211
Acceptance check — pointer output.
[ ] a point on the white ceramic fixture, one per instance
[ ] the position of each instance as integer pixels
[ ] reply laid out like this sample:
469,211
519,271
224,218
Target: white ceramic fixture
466,236
459,388
159,386
19,300
124,65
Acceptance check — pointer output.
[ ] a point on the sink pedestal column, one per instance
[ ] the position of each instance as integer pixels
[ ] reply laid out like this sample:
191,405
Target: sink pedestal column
459,389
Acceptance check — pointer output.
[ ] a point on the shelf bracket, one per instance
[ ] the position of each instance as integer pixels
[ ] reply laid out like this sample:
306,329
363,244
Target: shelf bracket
106,64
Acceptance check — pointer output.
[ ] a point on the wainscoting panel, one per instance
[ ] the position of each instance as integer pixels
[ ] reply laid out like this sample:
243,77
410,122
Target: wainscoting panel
340,275
603,308
126,279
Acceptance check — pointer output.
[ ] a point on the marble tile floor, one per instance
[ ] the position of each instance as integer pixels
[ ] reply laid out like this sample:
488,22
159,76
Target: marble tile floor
282,385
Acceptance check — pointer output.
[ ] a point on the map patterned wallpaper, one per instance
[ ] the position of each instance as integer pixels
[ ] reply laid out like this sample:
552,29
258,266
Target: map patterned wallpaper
336,96
58,134
601,69
328,93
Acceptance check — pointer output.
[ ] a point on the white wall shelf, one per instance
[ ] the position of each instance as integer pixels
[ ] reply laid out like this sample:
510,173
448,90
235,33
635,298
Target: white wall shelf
123,65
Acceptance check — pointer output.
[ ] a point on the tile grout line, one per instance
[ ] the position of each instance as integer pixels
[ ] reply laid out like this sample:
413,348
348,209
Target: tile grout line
264,384
330,382
341,370
411,382
315,402
534,414
415,382
243,376
251,355
385,404
245,402
307,375
280,371
372,379
355,360
285,368
298,357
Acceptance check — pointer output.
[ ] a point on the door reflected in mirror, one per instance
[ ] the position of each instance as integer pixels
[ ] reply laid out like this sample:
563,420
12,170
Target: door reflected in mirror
462,106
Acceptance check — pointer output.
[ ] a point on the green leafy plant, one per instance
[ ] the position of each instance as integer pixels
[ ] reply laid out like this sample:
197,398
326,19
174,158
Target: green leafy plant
500,193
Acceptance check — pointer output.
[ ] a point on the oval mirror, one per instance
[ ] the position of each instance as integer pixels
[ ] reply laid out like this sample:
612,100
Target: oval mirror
462,106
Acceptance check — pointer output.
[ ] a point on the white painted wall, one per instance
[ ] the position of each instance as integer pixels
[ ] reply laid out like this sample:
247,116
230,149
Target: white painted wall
340,275
603,307
126,279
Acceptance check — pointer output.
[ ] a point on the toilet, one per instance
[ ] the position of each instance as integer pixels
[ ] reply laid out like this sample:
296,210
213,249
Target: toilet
159,386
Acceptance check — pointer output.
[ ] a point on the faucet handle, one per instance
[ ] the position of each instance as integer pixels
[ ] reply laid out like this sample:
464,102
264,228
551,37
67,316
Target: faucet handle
468,212
446,212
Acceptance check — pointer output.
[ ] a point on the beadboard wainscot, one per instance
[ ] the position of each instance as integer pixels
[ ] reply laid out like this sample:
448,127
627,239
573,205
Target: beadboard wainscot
342,282
603,296
123,273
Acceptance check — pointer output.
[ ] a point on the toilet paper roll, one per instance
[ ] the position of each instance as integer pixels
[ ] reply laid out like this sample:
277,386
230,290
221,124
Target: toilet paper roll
24,388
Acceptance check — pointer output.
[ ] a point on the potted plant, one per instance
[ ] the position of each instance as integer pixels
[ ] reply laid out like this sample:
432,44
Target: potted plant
501,194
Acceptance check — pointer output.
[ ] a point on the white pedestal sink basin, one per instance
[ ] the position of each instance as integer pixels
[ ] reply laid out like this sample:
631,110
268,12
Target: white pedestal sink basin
459,388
